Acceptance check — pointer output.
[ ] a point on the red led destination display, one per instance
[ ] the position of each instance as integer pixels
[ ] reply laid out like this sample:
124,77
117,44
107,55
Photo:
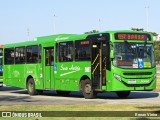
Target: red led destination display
84,42
132,36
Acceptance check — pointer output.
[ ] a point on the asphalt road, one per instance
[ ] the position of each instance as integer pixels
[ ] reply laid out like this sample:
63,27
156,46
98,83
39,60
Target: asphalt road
16,96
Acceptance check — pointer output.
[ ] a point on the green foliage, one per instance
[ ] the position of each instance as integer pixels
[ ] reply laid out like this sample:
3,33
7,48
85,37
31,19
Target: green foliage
153,33
157,50
141,29
93,31
137,29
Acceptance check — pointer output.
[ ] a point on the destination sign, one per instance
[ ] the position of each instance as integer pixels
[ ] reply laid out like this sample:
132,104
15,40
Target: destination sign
84,42
132,36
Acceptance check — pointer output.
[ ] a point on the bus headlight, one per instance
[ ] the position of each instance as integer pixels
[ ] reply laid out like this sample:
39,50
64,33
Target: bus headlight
118,77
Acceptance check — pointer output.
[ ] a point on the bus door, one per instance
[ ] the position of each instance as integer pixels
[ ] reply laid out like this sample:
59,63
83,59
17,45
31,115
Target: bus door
98,65
49,67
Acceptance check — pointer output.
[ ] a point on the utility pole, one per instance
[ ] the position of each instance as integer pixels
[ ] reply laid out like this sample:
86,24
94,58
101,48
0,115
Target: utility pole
54,24
28,35
147,16
99,20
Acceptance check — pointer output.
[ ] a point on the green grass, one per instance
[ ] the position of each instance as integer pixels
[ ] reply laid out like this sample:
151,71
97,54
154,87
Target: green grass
83,107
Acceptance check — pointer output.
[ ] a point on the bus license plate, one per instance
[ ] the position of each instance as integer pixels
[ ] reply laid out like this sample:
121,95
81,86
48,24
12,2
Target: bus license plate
131,81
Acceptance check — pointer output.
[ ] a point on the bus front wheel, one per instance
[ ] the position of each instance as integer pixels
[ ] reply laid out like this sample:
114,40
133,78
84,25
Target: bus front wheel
123,94
87,90
31,87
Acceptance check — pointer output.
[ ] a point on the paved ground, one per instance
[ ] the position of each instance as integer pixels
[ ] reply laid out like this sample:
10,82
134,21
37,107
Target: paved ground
15,96
158,69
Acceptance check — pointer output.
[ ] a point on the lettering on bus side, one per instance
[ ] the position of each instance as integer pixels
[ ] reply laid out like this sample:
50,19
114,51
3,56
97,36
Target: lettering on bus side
71,69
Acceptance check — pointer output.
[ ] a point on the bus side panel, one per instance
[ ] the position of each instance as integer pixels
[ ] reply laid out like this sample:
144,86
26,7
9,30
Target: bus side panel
19,75
68,75
34,71
8,76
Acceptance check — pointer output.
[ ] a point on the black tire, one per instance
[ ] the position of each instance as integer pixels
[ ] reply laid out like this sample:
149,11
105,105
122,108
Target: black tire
31,87
87,90
81,85
123,94
63,93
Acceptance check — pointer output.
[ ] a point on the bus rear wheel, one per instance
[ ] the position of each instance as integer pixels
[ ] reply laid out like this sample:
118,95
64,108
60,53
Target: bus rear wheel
31,87
87,90
123,94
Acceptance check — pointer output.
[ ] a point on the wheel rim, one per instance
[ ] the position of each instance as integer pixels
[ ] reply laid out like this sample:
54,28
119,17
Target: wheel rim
87,89
30,87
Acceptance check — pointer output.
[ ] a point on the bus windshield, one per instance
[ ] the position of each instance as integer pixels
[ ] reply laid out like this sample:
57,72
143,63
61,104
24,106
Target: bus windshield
133,55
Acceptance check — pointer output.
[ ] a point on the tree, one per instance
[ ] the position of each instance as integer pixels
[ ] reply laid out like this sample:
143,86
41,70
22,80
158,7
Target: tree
137,29
93,31
154,33
141,29
157,50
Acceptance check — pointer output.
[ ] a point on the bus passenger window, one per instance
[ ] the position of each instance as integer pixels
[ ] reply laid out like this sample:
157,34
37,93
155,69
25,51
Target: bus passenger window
83,50
32,54
66,51
20,55
9,56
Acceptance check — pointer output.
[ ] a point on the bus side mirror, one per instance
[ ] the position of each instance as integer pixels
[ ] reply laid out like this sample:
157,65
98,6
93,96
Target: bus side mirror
112,54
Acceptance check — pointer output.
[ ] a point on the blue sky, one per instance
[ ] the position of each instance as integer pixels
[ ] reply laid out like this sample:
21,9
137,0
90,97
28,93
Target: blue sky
47,17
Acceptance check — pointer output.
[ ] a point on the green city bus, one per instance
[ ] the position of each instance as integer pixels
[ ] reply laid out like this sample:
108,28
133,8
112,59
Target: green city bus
1,70
112,61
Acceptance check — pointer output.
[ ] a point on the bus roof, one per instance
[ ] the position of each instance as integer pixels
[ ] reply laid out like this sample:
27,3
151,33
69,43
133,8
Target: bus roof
62,37
66,37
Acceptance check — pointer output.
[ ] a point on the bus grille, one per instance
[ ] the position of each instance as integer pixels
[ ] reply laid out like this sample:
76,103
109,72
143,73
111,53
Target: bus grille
138,73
